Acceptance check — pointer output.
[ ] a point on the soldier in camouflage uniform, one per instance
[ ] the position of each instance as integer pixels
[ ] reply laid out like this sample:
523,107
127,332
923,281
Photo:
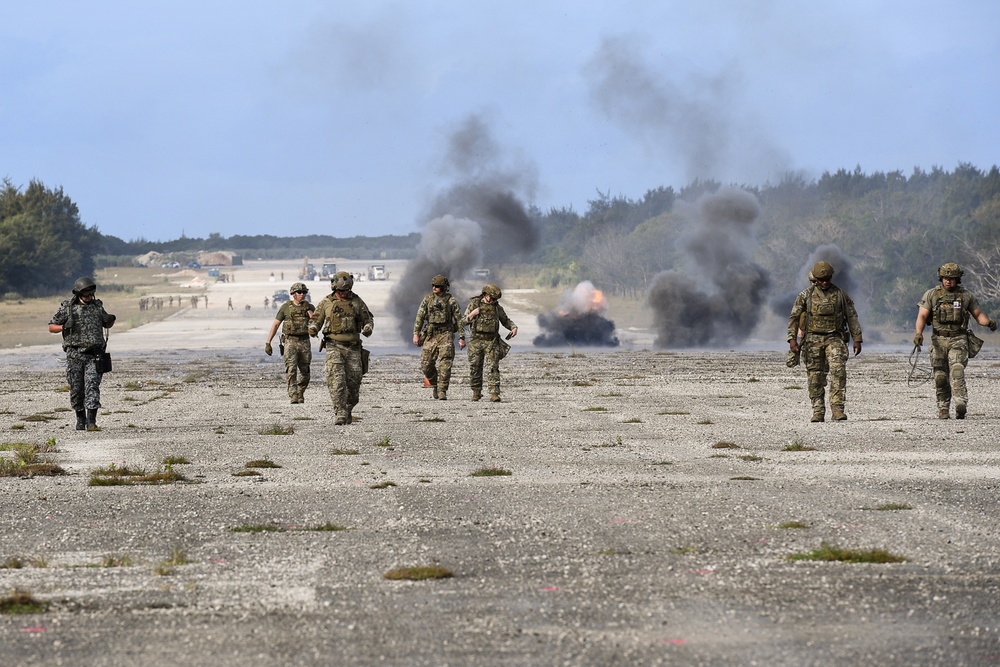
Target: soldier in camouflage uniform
830,321
948,308
81,321
296,349
483,316
434,330
343,318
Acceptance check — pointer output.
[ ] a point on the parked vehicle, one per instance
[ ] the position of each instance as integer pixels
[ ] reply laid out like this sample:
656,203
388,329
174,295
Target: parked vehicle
377,272
281,296
329,270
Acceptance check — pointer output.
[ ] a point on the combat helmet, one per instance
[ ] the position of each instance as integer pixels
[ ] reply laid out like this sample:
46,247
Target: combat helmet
950,270
83,283
493,291
299,287
441,281
822,271
342,281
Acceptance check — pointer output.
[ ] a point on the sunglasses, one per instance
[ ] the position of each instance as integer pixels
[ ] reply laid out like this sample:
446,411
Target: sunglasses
298,291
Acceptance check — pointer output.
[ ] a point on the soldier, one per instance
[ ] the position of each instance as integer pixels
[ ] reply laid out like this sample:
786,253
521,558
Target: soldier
342,316
81,321
948,308
830,319
434,330
483,316
295,346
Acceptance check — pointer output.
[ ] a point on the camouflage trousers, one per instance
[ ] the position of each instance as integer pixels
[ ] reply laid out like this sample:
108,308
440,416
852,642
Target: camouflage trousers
436,358
949,357
343,377
83,379
826,355
298,356
484,351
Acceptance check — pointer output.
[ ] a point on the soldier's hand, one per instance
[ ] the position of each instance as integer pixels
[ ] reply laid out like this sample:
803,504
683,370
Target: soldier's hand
268,350
313,331
918,340
472,314
857,347
513,332
793,345
416,339
992,325
367,331
461,343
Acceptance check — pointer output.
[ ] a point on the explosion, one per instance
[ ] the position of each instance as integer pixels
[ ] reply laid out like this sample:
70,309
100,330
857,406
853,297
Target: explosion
578,320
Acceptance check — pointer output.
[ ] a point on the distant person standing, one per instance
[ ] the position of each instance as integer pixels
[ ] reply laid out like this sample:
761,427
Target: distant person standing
343,318
483,316
434,330
81,321
948,307
828,319
296,349
230,304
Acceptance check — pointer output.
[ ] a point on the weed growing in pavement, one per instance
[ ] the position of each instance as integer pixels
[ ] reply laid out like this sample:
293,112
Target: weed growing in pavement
491,472
582,383
132,385
614,442
27,462
246,473
673,412
277,429
752,379
744,478
794,386
175,459
596,409
258,528
632,420
344,452
17,427
381,485
113,475
663,463
889,507
614,552
114,560
38,417
265,462
799,446
827,552
326,528
176,559
752,458
725,444
684,551
432,419
611,394
418,573
792,525
304,419
384,442
705,422
22,602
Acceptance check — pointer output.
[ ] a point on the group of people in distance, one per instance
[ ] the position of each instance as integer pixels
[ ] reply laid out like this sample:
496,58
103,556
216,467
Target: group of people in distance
822,321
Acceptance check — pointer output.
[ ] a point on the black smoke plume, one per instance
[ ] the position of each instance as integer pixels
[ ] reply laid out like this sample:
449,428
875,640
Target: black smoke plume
480,217
719,296
577,320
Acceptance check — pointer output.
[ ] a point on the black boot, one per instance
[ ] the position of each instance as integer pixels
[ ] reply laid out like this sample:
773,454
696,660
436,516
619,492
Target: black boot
92,420
81,420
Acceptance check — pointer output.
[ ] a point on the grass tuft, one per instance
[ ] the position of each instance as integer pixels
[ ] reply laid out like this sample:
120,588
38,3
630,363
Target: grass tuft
345,452
258,528
491,472
799,446
382,485
418,573
21,602
725,444
277,429
827,552
792,525
889,507
265,462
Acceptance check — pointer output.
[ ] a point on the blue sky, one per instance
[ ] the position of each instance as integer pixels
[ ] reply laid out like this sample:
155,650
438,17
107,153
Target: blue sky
318,117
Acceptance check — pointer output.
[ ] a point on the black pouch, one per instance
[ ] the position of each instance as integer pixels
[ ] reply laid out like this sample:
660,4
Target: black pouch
104,362
365,355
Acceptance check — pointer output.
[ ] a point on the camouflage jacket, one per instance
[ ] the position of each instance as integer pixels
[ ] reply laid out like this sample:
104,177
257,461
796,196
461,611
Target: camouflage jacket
826,312
295,317
487,323
438,313
341,319
83,324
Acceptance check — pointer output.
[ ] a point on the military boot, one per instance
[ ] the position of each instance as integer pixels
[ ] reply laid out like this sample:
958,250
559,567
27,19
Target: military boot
477,394
943,408
838,413
495,397
442,394
819,410
960,409
81,420
435,392
92,420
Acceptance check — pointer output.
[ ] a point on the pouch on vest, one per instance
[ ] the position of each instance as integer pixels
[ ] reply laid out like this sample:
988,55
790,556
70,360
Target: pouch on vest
975,343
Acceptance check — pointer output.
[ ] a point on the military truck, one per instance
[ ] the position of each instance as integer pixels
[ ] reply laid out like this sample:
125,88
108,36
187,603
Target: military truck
377,272
329,270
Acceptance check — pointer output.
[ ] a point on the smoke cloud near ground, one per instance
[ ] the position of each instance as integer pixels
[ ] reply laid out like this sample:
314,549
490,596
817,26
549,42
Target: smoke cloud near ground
843,277
717,298
577,320
479,217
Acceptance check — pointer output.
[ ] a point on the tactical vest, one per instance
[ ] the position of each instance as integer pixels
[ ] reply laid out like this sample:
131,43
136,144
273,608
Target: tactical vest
340,317
296,319
825,312
488,321
83,329
950,316
441,314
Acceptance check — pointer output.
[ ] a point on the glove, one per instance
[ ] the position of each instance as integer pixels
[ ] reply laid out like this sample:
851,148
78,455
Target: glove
313,331
992,325
268,350
918,340
367,331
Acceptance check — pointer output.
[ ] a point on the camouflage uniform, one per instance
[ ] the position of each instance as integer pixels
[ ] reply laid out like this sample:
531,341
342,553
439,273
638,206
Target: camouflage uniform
342,322
830,320
436,324
485,345
298,350
949,351
83,340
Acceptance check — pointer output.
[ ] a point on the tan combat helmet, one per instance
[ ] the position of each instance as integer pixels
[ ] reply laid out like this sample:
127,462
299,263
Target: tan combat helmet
441,281
950,270
299,287
343,281
822,271
493,291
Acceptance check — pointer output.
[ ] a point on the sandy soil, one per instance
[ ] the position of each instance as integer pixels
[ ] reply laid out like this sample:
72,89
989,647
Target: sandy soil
623,536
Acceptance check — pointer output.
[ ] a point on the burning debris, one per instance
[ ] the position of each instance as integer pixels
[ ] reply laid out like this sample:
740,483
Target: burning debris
578,320
717,300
